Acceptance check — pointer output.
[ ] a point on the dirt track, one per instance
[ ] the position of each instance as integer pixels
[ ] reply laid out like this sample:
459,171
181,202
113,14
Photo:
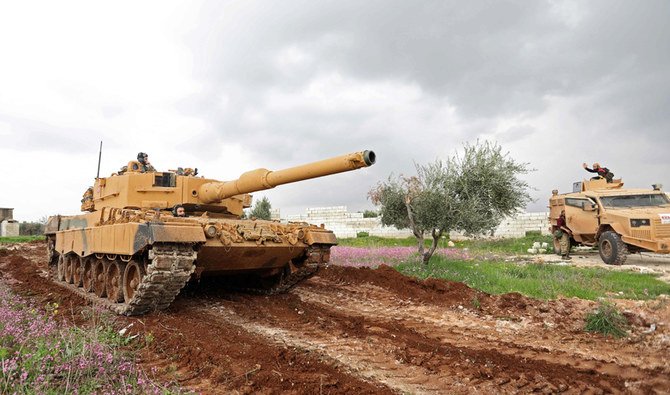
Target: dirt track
376,331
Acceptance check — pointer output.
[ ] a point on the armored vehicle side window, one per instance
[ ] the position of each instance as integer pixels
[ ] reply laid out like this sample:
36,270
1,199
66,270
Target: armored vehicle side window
645,200
165,180
576,202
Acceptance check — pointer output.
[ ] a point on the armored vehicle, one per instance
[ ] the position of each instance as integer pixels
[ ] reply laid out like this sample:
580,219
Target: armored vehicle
130,253
619,221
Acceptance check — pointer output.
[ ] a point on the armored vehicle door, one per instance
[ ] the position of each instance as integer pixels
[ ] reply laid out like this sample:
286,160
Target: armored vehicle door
582,218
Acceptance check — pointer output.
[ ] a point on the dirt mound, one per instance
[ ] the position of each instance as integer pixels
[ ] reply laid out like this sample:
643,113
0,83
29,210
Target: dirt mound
442,292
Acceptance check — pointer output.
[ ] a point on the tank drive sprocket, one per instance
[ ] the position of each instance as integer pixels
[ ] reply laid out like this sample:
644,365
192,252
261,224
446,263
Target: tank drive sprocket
316,257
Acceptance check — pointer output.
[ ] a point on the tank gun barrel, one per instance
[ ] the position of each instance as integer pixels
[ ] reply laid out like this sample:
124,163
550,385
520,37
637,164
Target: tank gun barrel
261,179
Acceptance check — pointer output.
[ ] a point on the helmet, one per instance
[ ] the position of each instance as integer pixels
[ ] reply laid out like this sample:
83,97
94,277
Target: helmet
141,156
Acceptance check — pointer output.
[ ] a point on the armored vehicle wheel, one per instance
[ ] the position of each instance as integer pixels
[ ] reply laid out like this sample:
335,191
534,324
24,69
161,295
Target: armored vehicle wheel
61,268
132,277
99,270
613,250
114,281
78,264
87,274
70,261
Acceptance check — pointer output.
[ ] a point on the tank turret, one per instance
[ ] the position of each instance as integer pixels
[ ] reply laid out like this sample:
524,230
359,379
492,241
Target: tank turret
163,190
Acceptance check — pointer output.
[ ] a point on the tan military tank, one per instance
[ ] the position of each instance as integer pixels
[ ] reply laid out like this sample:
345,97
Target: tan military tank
130,253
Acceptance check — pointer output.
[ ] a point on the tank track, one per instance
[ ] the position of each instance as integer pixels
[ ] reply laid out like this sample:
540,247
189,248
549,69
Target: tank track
317,255
170,267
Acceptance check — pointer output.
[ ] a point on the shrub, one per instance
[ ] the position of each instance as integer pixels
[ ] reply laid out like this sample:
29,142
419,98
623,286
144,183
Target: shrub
370,214
31,228
362,234
607,320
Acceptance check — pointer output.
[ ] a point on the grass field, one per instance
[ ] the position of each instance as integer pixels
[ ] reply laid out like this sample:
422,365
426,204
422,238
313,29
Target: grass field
466,263
20,239
540,281
509,245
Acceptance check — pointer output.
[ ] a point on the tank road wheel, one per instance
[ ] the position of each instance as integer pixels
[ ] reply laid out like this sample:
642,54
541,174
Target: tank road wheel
87,274
78,264
114,281
613,250
61,268
99,270
70,263
132,277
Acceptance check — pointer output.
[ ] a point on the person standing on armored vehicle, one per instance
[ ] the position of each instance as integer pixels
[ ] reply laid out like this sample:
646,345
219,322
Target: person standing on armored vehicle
603,172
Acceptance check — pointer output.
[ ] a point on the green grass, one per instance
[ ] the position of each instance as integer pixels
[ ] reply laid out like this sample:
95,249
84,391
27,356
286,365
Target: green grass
540,280
518,245
607,320
20,239
509,245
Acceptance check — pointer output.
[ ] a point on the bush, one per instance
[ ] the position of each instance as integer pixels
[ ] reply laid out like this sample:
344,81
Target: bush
533,233
370,214
261,209
607,320
31,228
362,234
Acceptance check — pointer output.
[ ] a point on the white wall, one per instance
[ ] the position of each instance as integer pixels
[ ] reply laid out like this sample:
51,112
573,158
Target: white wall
9,228
346,224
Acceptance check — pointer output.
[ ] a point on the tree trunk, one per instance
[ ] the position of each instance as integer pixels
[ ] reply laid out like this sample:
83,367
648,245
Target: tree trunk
436,233
418,233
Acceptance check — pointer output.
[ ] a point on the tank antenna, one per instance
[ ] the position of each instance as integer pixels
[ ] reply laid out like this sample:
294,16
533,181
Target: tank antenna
99,157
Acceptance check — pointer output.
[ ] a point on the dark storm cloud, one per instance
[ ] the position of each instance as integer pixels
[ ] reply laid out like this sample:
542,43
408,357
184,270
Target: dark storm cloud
486,59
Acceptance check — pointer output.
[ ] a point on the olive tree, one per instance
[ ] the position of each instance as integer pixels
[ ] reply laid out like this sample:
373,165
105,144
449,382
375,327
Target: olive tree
471,193
261,209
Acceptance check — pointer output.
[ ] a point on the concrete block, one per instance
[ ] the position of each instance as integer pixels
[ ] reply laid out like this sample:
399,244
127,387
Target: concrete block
9,228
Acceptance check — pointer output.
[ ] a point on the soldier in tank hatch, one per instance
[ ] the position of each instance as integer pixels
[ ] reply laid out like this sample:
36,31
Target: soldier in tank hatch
178,211
144,165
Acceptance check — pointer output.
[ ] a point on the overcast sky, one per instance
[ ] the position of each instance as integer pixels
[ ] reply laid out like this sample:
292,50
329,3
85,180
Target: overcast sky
229,86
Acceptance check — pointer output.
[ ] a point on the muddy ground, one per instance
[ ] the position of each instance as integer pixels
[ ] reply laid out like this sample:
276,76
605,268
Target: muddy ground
368,331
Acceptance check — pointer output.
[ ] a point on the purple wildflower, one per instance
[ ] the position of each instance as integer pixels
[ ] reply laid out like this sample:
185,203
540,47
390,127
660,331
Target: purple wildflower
375,256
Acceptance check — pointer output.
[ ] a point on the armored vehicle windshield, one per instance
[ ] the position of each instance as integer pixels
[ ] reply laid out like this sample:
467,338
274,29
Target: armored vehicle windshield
642,200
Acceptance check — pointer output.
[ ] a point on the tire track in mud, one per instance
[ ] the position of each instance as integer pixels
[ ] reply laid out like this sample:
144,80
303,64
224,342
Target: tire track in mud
406,359
461,327
373,359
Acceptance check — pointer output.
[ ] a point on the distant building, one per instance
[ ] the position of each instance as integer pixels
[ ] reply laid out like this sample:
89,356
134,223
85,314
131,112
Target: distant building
8,226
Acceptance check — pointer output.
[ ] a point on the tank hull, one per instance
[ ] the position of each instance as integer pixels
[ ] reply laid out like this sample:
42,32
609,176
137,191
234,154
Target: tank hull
112,255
